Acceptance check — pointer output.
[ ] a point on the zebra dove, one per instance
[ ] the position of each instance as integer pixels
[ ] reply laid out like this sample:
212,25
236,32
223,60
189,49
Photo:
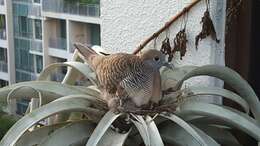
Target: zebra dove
120,73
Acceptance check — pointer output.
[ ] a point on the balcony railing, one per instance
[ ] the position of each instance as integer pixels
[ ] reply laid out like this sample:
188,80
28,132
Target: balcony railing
36,46
58,43
26,1
2,2
75,8
34,10
2,34
22,75
24,34
3,66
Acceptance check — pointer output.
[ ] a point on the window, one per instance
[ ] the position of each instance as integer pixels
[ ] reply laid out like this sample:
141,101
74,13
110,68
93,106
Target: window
39,63
23,60
2,21
38,29
23,24
3,60
95,34
3,55
37,1
3,83
20,9
22,106
24,27
62,28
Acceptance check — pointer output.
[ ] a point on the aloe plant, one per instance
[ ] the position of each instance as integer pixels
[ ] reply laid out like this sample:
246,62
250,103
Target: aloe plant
77,116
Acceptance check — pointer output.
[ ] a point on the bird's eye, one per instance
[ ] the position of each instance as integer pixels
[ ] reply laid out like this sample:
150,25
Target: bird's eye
156,58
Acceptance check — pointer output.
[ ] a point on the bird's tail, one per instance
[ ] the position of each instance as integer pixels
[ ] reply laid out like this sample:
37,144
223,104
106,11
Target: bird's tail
86,51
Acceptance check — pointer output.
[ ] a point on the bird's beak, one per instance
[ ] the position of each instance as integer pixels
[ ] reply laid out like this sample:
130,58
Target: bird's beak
168,65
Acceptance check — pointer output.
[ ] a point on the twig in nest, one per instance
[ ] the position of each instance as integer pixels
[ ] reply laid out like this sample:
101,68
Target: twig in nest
180,43
159,109
207,29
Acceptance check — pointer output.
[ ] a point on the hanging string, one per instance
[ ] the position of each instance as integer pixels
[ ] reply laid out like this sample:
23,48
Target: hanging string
186,18
207,4
167,33
155,43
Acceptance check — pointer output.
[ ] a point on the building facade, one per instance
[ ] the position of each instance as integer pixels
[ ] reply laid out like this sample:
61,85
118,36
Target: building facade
6,44
36,33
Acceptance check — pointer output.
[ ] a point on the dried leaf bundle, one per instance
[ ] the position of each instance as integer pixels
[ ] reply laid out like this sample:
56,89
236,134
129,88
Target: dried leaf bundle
207,29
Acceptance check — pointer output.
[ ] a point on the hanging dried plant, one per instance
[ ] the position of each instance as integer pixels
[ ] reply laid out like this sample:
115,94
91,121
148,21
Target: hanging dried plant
180,40
166,48
207,28
180,43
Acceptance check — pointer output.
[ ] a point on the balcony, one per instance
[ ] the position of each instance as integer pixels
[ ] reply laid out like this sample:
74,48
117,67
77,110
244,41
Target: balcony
27,9
3,66
74,8
58,43
36,46
2,34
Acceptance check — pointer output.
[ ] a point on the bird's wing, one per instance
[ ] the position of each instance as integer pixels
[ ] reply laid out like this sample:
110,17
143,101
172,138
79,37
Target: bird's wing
113,69
138,85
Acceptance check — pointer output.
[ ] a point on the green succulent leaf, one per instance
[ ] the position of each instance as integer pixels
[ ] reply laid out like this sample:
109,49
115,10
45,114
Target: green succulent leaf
102,127
194,123
186,127
220,92
112,138
21,126
221,135
230,77
142,127
233,117
154,134
75,132
176,135
80,67
209,140
38,135
49,90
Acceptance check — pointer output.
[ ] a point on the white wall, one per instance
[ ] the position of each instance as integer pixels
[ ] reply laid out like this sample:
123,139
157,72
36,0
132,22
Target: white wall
126,23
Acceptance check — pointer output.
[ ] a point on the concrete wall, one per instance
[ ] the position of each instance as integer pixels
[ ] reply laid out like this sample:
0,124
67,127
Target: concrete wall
125,24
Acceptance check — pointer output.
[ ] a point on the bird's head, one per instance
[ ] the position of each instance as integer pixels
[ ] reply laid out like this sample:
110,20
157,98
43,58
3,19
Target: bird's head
155,58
